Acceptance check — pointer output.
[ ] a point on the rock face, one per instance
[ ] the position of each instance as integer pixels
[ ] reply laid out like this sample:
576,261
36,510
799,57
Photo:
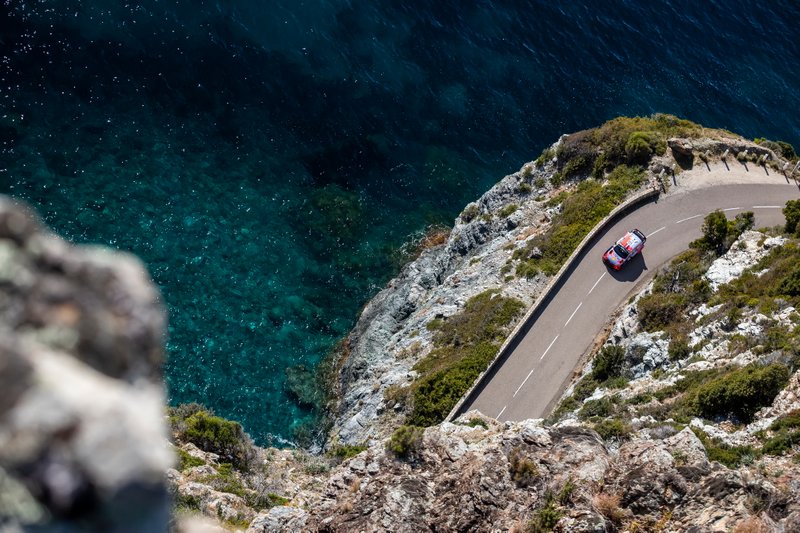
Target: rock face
82,435
390,335
502,477
749,249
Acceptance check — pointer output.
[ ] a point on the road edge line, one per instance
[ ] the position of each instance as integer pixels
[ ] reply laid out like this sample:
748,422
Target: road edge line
524,324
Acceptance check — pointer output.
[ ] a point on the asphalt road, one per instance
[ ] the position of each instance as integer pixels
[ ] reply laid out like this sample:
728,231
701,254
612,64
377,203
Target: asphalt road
535,373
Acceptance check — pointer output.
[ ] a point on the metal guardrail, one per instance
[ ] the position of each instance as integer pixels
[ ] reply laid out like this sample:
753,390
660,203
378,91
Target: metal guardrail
524,325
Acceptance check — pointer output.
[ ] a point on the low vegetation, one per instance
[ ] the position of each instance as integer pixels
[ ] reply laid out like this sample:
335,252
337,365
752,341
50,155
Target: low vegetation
343,452
732,393
792,214
186,461
406,441
784,435
508,210
523,470
554,508
730,456
469,213
196,424
621,141
464,345
781,148
580,212
741,392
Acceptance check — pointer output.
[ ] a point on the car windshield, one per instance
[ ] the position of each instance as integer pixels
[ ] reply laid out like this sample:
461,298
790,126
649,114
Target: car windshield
620,251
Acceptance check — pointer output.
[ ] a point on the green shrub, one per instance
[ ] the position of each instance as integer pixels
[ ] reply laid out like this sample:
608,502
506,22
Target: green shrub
524,188
435,394
469,213
526,270
787,421
544,157
608,362
576,165
212,434
405,442
787,434
781,443
346,451
641,145
781,148
715,230
678,349
475,422
742,392
185,502
507,210
619,382
730,456
638,148
567,491
791,283
523,470
657,310
464,345
792,214
225,480
741,223
597,408
546,518
186,461
612,429
585,387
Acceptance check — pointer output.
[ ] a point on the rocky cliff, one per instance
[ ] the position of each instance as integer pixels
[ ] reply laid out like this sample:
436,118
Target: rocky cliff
631,447
686,419
640,442
488,247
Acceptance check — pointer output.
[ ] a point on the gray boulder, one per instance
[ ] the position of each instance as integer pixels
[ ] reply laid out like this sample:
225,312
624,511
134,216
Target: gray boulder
82,433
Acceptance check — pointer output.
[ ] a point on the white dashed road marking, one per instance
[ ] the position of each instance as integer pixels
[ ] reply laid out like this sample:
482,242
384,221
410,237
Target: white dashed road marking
690,218
656,231
548,348
732,209
573,314
500,413
767,206
523,383
596,282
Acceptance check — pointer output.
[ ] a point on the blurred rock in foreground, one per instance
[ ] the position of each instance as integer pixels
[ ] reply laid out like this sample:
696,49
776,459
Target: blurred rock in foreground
83,444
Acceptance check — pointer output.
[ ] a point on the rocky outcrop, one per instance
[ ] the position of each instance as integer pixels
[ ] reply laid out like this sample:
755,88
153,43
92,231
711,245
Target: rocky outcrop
749,249
390,335
502,477
82,437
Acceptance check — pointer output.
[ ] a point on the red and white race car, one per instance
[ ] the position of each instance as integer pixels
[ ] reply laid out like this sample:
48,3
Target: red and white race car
624,249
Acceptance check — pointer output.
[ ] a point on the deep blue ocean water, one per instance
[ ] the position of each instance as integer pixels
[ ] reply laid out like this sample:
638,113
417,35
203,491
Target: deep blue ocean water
267,159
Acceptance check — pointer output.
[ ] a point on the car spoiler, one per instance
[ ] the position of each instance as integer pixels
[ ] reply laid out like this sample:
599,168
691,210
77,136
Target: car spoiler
639,234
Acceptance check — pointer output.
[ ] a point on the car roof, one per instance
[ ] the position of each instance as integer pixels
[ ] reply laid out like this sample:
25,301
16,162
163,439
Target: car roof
630,241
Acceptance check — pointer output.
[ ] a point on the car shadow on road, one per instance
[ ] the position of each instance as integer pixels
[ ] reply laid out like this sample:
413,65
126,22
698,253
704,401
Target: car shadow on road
631,271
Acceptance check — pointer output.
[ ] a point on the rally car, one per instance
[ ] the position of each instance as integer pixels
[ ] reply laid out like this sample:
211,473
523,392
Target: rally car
624,249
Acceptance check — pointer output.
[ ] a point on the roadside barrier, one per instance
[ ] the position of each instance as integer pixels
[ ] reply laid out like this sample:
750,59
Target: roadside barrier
527,321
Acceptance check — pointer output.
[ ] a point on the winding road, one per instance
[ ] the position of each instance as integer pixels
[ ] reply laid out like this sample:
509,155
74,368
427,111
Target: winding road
530,380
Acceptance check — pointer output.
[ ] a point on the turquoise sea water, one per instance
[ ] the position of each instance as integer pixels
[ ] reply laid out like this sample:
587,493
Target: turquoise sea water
267,159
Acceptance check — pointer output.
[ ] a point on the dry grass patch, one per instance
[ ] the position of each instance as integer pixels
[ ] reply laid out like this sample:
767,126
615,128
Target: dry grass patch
608,505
